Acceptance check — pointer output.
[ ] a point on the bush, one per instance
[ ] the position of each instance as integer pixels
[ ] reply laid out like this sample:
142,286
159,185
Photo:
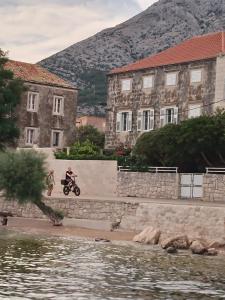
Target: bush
192,145
22,175
91,134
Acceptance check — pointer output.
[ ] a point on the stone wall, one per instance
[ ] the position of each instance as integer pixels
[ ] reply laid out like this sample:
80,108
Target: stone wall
214,187
148,185
196,219
89,209
181,95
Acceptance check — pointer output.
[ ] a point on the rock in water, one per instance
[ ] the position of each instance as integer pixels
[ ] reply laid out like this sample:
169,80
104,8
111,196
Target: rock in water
198,248
179,242
171,250
211,252
148,236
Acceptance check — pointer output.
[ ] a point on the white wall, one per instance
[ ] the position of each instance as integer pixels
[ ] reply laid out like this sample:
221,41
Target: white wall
95,178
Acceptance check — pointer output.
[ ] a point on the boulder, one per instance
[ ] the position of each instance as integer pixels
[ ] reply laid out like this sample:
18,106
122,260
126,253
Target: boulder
211,252
217,244
198,248
148,236
178,242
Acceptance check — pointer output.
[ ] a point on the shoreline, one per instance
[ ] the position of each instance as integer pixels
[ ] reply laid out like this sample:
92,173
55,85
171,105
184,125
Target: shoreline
44,227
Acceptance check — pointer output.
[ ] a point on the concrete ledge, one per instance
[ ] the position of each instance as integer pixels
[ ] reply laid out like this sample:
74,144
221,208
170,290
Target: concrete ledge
84,223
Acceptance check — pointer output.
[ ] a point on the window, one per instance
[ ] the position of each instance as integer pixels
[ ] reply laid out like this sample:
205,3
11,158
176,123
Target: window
168,115
56,138
30,136
171,79
194,111
32,101
124,121
148,82
126,85
58,105
196,76
145,121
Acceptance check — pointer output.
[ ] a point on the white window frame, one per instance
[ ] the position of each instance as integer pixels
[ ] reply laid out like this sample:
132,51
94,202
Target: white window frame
141,118
196,76
120,121
33,107
60,132
194,111
171,81
126,84
28,131
58,111
164,115
148,79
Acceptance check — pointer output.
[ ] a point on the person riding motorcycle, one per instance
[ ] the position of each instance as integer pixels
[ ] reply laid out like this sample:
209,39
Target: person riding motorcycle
70,177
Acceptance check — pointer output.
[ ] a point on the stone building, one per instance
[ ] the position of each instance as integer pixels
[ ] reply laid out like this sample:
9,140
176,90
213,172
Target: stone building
47,111
181,82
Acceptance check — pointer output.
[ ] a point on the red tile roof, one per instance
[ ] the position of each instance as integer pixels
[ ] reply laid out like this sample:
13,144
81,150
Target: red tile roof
37,74
194,49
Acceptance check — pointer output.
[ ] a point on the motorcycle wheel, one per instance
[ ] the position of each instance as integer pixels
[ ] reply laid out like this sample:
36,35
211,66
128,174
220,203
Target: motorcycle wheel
76,191
66,190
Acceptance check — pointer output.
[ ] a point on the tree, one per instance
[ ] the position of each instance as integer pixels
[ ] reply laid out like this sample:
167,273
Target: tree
22,178
10,93
90,133
192,145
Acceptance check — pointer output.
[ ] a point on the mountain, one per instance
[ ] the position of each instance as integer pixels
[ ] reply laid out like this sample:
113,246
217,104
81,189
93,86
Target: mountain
162,25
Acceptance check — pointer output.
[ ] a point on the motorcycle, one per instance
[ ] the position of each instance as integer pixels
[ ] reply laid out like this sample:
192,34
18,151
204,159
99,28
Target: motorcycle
70,186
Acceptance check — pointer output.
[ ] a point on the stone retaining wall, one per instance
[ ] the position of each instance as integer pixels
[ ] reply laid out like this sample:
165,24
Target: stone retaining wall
75,208
148,185
196,219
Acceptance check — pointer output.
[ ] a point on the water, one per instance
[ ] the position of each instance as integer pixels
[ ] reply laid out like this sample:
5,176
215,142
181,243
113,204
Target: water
49,268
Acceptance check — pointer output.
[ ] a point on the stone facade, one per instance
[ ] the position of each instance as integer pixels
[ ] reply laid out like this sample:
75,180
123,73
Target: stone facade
214,187
43,120
148,185
182,95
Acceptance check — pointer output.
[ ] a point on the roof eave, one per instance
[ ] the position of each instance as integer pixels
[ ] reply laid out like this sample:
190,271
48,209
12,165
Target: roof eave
158,66
52,85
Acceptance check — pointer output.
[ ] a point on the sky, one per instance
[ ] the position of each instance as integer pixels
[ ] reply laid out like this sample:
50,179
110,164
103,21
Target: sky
32,30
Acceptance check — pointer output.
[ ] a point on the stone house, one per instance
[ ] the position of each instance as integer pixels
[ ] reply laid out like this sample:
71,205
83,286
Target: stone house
97,122
47,110
181,82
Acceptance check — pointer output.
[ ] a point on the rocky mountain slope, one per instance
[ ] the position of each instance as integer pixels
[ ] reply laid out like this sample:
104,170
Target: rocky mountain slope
162,25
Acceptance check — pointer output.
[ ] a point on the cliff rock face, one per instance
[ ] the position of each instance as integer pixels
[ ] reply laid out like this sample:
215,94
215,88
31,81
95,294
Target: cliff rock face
164,24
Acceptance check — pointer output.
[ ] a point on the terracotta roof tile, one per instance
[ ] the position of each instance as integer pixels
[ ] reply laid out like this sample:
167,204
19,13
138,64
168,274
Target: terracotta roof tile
194,49
37,74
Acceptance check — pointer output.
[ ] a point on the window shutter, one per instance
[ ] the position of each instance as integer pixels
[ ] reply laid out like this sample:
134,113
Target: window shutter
175,115
162,117
129,123
151,119
118,122
139,120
